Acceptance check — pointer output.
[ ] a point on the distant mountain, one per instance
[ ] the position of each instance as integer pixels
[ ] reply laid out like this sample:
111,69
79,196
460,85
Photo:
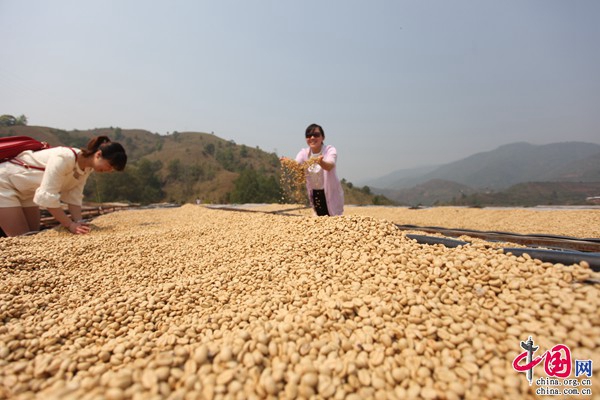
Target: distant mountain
399,179
439,193
585,170
433,192
508,165
534,194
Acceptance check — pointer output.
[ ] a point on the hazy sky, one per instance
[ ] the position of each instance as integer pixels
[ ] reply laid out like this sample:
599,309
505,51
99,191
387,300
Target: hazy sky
395,84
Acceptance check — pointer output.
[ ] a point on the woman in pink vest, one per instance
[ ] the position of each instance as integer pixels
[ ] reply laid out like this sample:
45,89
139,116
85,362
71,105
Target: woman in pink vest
324,189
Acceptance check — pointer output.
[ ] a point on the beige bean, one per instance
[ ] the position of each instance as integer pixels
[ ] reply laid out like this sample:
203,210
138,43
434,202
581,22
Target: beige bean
197,303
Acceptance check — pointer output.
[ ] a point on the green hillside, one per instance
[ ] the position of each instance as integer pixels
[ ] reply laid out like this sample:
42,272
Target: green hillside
533,194
182,167
433,192
439,193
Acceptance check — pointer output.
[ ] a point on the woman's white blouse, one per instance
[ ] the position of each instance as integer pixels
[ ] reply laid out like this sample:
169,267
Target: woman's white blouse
62,180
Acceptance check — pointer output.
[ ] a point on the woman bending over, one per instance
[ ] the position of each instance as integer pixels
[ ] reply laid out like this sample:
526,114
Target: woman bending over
48,177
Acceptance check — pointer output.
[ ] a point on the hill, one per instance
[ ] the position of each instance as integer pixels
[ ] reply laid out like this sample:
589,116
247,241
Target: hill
182,167
440,193
533,194
519,174
402,178
433,192
507,166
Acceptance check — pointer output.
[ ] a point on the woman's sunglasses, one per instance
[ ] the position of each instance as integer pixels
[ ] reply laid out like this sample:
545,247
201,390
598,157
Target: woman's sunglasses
313,134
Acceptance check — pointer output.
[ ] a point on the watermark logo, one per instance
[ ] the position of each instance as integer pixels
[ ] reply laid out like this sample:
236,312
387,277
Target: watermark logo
583,367
557,367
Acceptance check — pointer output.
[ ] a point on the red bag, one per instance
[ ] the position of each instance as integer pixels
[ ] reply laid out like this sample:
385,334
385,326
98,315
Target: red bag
12,146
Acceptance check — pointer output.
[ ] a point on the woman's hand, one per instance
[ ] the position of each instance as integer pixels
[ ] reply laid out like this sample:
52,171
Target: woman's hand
324,164
79,228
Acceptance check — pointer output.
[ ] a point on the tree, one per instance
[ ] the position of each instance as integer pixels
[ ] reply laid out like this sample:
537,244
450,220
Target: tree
7,120
246,188
117,186
22,120
118,134
252,187
175,170
138,183
149,185
209,149
227,159
196,173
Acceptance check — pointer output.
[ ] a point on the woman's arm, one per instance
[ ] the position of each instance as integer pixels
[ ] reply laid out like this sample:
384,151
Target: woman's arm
64,220
75,212
327,166
330,154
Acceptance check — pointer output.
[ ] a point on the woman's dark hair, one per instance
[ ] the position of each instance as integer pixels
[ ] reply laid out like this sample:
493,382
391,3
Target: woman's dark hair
312,127
113,152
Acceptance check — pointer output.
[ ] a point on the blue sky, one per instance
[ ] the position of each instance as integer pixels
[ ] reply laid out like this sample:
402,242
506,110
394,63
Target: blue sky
395,84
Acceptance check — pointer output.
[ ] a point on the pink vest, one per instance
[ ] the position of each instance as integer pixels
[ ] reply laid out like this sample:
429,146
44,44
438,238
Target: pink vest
334,194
